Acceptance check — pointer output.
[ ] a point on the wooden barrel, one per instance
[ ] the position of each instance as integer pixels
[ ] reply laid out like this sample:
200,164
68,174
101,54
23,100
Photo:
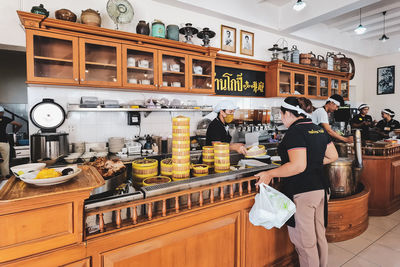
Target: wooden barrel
348,216
221,157
144,168
156,180
166,167
200,170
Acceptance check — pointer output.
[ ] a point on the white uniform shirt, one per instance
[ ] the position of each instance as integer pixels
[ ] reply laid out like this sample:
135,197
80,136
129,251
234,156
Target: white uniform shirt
320,116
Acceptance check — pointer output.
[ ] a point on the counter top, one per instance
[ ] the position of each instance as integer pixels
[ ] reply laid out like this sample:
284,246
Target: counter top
16,189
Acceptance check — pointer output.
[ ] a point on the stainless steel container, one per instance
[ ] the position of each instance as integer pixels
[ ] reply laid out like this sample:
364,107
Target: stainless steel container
49,145
340,175
110,183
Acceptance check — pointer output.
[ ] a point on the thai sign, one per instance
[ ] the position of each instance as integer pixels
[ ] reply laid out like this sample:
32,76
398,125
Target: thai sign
239,82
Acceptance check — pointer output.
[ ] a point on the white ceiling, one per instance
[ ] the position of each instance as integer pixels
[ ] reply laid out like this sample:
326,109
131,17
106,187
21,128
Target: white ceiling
326,22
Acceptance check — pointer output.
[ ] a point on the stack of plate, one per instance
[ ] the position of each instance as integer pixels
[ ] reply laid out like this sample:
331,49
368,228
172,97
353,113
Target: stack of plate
180,148
115,144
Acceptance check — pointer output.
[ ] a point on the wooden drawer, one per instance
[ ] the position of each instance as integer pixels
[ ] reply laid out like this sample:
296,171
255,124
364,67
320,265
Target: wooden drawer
36,230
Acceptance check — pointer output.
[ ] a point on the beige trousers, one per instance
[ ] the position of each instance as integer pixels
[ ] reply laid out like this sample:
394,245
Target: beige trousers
308,236
5,154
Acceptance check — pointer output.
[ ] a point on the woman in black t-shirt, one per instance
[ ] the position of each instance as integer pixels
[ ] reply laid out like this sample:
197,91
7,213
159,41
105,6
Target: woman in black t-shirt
304,150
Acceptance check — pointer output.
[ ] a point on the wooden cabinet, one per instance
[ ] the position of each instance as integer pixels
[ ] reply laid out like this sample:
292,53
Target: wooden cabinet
286,79
312,86
173,71
52,58
382,175
139,66
100,63
201,70
323,87
65,53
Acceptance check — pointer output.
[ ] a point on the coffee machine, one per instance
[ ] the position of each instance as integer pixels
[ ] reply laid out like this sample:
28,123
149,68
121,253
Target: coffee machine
47,143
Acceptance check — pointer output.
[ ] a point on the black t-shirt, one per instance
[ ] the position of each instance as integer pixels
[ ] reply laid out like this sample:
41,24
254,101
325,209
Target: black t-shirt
364,129
216,131
303,134
3,126
388,126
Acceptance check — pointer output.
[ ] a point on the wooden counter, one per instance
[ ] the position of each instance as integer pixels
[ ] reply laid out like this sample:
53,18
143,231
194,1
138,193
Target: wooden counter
37,219
214,231
382,175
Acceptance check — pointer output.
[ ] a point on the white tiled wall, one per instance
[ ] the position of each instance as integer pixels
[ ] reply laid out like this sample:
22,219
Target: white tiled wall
99,126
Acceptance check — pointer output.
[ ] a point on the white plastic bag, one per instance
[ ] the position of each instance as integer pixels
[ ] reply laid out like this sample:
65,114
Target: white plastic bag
271,208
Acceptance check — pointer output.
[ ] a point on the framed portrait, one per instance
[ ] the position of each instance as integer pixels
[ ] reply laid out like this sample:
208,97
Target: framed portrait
246,43
228,39
385,80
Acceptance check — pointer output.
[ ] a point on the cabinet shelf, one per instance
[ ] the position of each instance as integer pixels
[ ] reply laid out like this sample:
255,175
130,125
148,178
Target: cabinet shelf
201,75
76,108
53,59
299,84
284,83
139,68
100,64
174,72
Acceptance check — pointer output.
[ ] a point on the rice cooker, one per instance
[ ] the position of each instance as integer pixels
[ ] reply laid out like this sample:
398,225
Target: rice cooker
47,143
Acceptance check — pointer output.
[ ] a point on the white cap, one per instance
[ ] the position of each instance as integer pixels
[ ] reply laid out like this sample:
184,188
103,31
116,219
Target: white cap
225,104
1,109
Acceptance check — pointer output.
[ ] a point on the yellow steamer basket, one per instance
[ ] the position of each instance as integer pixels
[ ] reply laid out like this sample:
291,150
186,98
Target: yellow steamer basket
166,167
180,121
156,180
180,171
144,168
208,155
200,169
221,157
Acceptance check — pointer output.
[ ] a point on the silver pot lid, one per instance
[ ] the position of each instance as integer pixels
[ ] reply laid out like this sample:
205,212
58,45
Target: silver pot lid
47,115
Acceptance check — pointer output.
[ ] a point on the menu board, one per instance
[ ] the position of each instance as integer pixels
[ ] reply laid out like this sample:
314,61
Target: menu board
239,82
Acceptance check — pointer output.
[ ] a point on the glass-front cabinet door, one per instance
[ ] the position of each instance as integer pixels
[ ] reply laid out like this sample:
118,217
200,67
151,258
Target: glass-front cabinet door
172,71
52,58
344,89
323,87
334,86
312,86
139,67
201,79
284,83
299,84
100,62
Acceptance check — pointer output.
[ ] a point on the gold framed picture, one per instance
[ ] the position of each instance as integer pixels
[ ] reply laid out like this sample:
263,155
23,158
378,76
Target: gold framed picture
246,43
228,39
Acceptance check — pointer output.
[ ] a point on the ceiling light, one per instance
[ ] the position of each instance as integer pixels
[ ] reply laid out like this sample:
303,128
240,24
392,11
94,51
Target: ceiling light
299,5
384,37
360,29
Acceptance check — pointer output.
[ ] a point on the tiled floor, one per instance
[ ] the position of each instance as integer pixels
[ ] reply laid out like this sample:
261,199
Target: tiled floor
379,245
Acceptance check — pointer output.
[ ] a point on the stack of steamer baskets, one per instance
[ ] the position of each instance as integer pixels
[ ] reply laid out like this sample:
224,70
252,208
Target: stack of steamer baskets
208,156
221,157
180,148
144,168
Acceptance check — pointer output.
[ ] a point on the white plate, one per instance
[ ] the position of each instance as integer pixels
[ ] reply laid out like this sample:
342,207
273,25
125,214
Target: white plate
275,158
27,168
30,177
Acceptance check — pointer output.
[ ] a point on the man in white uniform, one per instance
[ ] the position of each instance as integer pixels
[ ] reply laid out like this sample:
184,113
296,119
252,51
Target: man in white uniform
320,117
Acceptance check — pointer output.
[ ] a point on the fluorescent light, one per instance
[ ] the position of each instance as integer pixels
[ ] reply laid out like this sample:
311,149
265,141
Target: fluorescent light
299,5
360,29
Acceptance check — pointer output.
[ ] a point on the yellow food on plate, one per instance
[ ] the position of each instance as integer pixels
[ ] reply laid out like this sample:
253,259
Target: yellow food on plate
47,173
